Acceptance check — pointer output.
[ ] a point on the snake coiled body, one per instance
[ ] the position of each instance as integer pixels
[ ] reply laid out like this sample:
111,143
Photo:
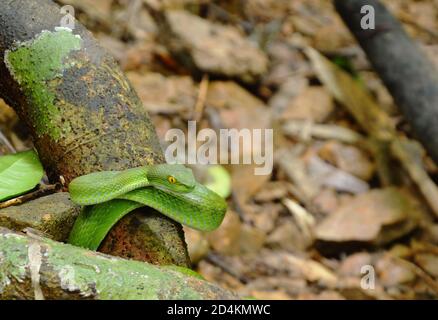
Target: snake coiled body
170,189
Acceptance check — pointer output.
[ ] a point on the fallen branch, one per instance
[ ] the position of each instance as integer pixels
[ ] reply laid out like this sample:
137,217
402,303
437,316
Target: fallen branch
43,191
40,268
409,76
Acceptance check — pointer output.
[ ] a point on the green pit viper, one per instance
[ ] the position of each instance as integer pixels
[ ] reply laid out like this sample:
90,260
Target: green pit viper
169,188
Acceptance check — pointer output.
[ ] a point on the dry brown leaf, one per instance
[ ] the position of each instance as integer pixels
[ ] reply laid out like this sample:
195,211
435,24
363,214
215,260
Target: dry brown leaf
313,103
225,239
353,96
347,158
164,95
378,217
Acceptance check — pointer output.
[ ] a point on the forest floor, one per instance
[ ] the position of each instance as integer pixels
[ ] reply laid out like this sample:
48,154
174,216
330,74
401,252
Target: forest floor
324,224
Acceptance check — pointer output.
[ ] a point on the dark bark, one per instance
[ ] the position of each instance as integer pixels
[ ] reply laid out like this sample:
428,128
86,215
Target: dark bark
409,76
83,115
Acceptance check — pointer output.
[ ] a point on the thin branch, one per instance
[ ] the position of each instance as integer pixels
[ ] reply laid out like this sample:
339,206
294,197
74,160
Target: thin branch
299,128
7,143
45,190
216,260
202,96
410,154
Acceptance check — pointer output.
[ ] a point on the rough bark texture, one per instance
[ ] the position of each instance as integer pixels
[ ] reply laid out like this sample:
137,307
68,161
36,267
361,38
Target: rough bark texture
83,114
53,215
411,79
39,268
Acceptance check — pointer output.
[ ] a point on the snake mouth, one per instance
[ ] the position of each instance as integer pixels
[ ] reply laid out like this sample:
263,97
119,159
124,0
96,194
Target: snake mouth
167,190
174,189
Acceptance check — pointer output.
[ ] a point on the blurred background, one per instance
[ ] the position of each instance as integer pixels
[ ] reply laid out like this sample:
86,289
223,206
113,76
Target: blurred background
323,225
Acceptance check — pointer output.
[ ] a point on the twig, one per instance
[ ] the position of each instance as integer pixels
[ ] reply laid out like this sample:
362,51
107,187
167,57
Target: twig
6,142
410,154
424,247
354,97
321,131
239,208
406,18
216,260
431,283
377,123
202,96
304,218
47,189
295,168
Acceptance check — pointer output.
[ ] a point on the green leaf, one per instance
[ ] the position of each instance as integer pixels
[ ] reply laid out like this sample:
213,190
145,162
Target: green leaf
219,181
19,172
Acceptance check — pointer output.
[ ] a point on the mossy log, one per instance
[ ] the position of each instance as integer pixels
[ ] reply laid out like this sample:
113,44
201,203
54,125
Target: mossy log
84,116
40,268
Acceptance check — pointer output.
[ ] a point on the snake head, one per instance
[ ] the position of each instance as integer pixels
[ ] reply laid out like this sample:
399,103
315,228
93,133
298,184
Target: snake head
173,177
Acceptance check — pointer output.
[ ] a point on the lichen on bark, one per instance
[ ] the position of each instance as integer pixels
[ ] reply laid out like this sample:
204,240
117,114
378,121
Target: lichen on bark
35,65
84,116
39,268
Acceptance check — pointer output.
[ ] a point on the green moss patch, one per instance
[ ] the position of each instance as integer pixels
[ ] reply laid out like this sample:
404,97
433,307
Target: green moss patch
34,65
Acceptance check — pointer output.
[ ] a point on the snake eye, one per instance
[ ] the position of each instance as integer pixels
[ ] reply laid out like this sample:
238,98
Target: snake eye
171,179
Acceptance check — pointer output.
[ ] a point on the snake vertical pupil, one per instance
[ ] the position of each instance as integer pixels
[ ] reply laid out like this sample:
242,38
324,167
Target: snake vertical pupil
171,179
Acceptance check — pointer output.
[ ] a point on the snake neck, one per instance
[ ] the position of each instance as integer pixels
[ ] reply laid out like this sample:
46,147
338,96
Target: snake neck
134,178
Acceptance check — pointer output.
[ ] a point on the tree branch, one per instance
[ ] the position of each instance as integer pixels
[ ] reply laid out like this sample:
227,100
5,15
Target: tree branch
84,116
409,76
40,268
